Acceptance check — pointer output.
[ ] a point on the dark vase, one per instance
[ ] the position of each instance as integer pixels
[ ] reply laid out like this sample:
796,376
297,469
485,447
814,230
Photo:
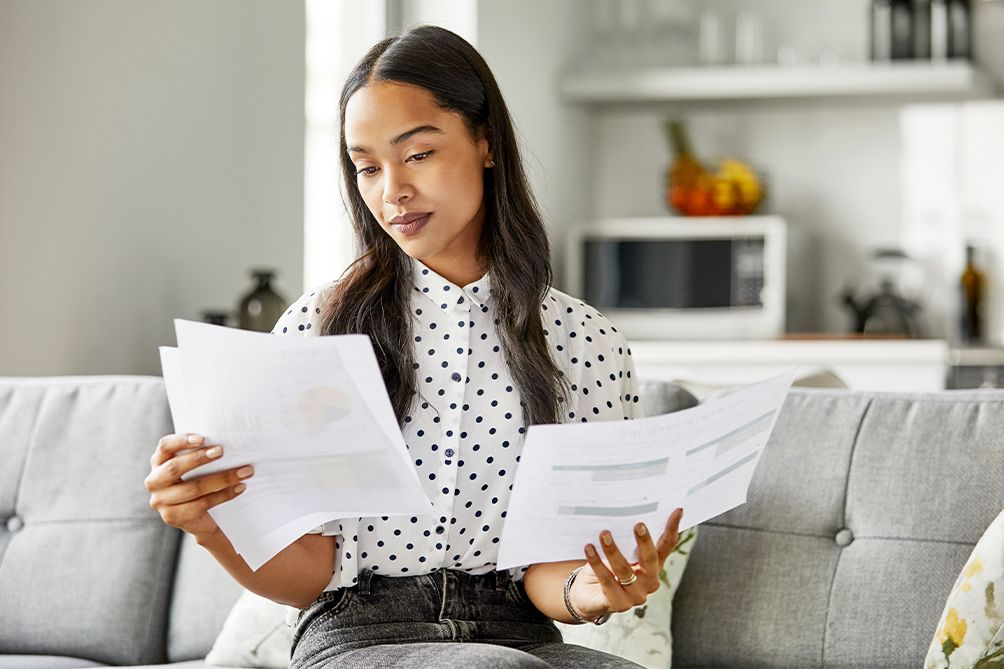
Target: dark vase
260,309
215,317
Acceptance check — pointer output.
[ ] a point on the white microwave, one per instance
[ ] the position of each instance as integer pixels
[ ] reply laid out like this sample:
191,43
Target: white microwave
683,278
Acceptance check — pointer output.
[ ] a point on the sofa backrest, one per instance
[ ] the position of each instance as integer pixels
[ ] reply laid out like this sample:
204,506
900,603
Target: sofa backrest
862,512
86,566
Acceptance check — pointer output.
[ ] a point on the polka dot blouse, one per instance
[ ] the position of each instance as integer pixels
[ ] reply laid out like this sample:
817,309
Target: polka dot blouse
465,431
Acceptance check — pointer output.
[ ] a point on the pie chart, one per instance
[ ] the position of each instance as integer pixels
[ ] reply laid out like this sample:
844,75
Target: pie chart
318,407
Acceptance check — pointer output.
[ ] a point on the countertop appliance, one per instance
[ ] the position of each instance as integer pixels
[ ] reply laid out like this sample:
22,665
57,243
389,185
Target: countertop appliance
975,367
683,278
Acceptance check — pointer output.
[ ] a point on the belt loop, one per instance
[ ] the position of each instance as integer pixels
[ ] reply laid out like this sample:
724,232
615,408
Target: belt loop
501,580
364,581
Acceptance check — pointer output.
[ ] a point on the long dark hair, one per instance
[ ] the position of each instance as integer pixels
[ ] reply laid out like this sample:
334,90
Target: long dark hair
374,294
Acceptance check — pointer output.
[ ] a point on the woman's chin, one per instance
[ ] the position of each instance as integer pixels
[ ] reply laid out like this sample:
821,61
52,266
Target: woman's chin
415,248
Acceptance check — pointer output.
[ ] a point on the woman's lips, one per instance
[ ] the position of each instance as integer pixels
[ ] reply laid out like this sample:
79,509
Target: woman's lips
413,227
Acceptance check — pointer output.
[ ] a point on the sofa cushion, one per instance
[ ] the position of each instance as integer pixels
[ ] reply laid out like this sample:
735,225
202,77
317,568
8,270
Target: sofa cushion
85,563
862,511
45,662
203,595
659,397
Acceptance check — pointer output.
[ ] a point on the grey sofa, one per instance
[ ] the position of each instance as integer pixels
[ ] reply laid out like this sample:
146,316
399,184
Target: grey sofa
861,513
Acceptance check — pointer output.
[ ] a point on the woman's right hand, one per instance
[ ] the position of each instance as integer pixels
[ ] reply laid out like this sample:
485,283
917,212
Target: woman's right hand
186,504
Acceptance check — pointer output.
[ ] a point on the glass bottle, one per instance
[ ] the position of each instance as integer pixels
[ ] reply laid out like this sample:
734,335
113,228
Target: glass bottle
261,308
922,29
971,288
901,21
960,29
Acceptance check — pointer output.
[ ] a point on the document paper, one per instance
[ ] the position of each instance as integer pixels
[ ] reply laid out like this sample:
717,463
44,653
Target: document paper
575,480
311,414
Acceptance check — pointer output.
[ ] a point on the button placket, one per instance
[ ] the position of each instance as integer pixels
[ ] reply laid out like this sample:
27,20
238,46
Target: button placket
454,381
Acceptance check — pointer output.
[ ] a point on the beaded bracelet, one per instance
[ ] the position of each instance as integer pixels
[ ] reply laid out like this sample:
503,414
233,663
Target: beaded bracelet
568,602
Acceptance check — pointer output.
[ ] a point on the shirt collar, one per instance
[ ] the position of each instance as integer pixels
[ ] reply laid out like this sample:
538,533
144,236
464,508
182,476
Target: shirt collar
447,294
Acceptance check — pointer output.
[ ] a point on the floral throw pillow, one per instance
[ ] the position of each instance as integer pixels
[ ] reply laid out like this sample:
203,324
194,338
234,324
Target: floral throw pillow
970,634
641,634
256,633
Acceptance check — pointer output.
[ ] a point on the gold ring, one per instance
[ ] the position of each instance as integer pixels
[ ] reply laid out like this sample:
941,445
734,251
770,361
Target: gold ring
629,581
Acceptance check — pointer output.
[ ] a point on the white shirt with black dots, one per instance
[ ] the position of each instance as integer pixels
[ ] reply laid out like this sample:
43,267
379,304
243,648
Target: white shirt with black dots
465,430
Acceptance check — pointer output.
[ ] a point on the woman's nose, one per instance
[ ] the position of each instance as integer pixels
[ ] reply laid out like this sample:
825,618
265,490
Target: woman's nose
395,189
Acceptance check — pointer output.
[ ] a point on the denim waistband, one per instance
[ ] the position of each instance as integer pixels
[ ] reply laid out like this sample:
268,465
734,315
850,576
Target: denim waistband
494,580
442,605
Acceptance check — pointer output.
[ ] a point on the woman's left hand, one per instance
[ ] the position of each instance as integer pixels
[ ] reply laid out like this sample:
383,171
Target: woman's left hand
597,590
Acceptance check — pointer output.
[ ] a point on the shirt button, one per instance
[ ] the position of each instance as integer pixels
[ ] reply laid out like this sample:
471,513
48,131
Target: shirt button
456,376
449,452
14,524
440,529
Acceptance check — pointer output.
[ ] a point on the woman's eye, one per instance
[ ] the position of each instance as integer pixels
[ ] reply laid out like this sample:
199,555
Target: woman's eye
370,171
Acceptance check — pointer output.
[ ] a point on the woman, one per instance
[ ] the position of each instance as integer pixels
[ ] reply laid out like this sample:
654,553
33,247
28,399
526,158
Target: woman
452,285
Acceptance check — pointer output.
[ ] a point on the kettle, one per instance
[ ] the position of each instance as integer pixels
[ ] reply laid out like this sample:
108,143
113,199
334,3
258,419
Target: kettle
885,312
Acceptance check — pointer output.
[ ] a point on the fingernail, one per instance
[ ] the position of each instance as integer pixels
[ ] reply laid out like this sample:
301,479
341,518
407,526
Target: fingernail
590,551
641,530
214,452
245,472
194,439
607,538
239,488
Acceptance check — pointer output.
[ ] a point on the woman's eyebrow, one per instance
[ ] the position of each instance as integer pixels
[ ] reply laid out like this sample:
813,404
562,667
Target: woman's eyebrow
404,136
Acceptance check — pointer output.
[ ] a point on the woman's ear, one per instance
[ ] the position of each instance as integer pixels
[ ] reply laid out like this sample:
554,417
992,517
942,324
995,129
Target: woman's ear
483,139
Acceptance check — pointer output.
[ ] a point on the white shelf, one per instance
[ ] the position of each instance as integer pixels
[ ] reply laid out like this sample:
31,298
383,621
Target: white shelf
951,80
793,351
875,365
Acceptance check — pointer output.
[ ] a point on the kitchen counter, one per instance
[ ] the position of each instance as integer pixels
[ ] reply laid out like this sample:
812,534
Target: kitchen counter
862,364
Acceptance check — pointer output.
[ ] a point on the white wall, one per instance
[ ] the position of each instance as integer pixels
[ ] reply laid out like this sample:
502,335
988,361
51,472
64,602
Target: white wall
527,44
460,16
150,153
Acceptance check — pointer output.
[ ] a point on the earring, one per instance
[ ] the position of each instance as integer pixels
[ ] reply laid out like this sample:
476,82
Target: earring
491,163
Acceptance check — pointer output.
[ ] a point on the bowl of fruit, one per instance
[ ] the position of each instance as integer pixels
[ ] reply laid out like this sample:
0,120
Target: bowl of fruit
731,188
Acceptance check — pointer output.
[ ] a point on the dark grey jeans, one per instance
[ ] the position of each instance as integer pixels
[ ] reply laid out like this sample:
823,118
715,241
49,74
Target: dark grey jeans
446,619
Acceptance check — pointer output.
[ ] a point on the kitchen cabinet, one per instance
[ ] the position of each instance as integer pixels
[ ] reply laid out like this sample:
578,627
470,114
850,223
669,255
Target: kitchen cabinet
876,365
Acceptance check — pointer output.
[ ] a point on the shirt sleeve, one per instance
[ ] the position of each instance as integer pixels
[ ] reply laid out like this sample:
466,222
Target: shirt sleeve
602,373
303,318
